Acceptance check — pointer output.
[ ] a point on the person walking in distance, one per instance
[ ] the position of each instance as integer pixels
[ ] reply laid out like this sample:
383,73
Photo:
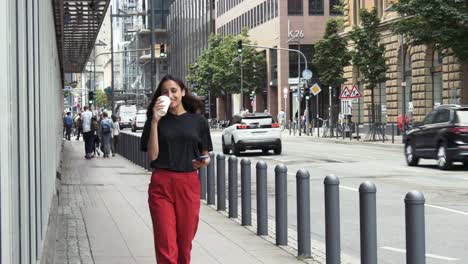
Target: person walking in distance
115,136
88,134
178,144
78,125
106,134
68,123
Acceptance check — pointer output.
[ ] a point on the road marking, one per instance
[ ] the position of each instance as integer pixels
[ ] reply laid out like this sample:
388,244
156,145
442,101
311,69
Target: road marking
427,255
349,188
447,209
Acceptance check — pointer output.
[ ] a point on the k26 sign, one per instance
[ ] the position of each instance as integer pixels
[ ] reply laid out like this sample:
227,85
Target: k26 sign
299,33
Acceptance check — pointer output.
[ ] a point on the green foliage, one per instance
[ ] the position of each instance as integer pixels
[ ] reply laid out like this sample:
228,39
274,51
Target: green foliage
368,54
100,98
331,55
444,23
217,70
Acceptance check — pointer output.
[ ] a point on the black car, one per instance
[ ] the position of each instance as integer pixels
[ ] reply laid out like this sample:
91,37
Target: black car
443,135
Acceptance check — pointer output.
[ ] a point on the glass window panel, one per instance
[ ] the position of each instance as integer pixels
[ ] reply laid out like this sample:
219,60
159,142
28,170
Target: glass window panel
316,7
334,10
295,7
443,116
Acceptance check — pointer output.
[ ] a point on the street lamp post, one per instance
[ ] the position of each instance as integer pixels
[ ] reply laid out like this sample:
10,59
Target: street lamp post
285,95
242,83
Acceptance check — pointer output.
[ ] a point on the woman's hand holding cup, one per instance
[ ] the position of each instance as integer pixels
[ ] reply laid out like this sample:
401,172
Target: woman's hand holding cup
161,107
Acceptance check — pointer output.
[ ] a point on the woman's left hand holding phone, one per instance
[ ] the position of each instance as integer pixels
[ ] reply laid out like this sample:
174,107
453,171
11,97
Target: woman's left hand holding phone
202,161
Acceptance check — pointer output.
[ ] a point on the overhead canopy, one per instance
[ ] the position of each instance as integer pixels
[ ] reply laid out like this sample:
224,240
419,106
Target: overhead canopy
77,23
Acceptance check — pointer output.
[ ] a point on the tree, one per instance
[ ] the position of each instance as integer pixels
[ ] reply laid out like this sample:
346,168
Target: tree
101,98
368,54
444,23
217,70
331,56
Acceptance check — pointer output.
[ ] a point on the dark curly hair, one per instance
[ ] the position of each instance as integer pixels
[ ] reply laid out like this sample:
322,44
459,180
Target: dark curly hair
191,103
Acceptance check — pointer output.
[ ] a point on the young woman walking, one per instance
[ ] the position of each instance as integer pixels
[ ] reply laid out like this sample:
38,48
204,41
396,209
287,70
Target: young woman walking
177,144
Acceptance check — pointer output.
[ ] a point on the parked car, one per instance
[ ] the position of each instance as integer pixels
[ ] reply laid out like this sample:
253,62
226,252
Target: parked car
253,131
125,113
443,135
138,121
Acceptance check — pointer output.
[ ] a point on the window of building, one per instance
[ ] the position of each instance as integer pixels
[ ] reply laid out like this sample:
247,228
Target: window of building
257,18
436,71
316,7
335,8
276,8
295,8
381,100
409,87
262,13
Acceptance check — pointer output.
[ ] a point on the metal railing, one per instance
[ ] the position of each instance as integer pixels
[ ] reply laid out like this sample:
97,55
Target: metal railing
213,190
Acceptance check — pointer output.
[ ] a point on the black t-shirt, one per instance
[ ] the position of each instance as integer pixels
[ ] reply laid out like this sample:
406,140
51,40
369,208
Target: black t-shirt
181,139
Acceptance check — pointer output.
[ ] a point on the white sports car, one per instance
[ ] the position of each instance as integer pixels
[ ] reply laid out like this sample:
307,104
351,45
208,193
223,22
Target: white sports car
254,131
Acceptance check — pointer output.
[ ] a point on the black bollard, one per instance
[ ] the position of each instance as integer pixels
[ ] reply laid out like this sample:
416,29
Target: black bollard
202,176
415,228
246,193
281,207
332,219
383,133
221,181
303,213
393,133
262,199
368,222
210,179
232,186
357,132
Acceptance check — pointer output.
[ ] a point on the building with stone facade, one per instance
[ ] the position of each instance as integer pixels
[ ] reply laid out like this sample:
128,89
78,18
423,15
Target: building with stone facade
432,76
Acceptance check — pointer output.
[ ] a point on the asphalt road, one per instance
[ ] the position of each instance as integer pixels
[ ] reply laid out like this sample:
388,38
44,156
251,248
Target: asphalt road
446,194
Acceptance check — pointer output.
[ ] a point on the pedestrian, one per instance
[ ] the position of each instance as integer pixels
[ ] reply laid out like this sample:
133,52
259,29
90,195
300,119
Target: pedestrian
116,133
105,130
97,143
281,116
178,144
78,125
68,123
88,134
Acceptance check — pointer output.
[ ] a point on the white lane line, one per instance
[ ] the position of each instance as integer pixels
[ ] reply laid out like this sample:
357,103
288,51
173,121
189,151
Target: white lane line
427,255
349,188
447,209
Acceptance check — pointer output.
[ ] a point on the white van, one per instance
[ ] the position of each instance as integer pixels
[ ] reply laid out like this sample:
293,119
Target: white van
125,113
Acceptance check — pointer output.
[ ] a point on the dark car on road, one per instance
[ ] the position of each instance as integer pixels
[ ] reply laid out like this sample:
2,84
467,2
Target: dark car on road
443,136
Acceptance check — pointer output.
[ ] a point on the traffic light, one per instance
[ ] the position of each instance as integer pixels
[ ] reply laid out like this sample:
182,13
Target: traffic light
91,97
162,51
239,46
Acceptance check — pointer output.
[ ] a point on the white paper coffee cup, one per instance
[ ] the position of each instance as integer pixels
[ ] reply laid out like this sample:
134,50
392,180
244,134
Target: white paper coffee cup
166,102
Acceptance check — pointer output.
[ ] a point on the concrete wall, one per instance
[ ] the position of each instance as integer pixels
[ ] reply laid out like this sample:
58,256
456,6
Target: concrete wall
30,134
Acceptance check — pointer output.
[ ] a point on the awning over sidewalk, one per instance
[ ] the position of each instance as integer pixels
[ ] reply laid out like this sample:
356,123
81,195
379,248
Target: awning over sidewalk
77,24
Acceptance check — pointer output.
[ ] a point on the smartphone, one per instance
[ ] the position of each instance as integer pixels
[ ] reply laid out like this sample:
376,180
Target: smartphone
201,158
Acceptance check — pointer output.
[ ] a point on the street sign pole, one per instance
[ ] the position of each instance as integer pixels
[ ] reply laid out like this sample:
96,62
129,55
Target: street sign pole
330,126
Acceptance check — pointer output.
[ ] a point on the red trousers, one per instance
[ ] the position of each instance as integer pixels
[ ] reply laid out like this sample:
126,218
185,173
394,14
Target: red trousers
174,203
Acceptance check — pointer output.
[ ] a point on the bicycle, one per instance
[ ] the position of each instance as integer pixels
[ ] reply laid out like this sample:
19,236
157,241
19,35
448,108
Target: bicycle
282,125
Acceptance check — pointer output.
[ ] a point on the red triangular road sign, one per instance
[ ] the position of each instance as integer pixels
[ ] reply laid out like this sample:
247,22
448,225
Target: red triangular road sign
355,93
345,93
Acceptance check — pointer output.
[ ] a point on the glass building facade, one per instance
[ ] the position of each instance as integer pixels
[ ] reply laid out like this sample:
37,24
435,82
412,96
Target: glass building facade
190,23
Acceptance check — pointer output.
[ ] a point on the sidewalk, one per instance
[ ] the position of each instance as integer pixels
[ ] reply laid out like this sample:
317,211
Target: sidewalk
362,140
103,218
